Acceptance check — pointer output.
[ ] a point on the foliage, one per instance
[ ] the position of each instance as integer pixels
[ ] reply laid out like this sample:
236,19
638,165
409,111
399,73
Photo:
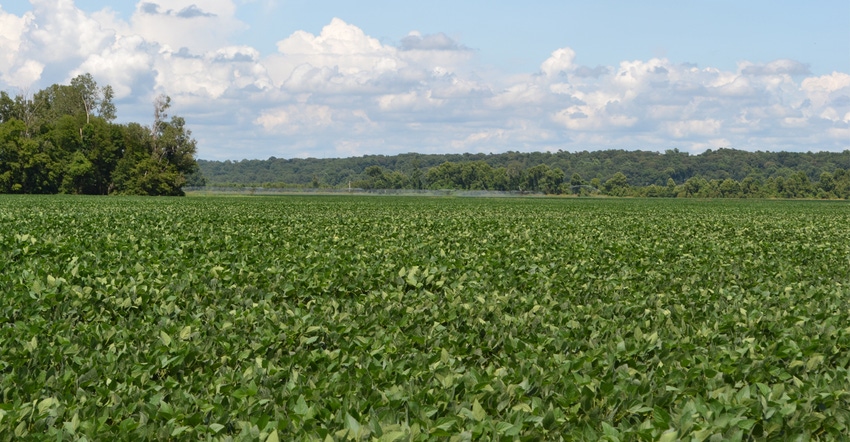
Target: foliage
62,139
366,318
740,174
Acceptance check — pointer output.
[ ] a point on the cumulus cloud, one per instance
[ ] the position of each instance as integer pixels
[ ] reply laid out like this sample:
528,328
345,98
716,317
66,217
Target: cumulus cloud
181,23
777,67
408,101
122,64
832,90
690,128
342,58
149,8
193,11
59,31
13,67
292,119
314,119
559,62
433,42
585,72
342,91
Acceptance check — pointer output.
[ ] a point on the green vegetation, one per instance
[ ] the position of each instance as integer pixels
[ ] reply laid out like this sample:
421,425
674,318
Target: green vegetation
383,318
723,173
62,140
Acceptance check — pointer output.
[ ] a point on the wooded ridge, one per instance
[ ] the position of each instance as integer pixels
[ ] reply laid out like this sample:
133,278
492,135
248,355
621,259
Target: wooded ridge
713,173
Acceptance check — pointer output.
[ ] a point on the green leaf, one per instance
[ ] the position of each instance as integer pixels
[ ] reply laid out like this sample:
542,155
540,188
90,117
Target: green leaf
301,407
273,437
165,338
746,424
478,412
701,435
21,429
640,409
36,287
392,436
549,419
788,409
610,431
660,417
33,343
411,276
352,424
46,404
508,429
216,427
179,430
444,424
814,361
72,426
669,436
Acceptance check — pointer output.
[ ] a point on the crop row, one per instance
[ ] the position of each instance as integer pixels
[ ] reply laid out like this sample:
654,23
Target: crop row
380,318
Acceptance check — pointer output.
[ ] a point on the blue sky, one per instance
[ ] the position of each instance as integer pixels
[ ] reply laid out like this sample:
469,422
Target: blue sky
338,78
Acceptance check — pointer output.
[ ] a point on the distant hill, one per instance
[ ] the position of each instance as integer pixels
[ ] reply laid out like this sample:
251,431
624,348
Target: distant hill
641,168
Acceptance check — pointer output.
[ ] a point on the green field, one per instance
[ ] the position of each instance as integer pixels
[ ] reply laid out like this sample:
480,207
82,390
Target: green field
393,318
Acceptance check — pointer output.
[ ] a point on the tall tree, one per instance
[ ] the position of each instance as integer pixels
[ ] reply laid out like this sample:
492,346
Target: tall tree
7,107
30,110
157,160
94,99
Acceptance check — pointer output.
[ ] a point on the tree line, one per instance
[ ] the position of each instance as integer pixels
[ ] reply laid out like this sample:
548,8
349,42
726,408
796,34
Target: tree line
63,139
713,174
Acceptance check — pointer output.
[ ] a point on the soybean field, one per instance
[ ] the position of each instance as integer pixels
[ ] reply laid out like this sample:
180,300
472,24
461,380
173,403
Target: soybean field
414,318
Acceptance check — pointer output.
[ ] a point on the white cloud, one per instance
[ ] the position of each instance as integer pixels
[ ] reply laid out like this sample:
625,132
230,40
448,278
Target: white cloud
575,118
827,90
342,91
182,23
119,65
341,55
54,33
408,101
486,138
559,62
60,31
777,67
310,118
520,94
730,85
12,68
342,59
690,128
23,74
434,42
827,83
292,119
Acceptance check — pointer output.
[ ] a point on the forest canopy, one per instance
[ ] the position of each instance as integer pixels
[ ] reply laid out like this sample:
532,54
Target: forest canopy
62,139
717,173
